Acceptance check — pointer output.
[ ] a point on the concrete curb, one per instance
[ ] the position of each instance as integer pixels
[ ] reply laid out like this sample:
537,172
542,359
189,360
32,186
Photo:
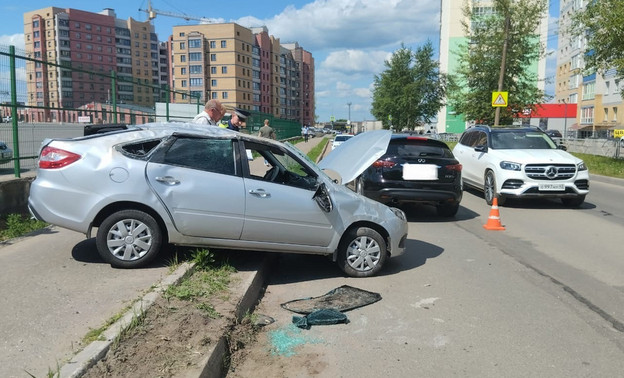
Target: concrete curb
247,295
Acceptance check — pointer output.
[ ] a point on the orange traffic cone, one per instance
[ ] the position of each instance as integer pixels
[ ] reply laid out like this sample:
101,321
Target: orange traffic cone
493,222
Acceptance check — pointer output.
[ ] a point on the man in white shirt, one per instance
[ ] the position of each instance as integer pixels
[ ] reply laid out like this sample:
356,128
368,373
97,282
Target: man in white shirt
212,113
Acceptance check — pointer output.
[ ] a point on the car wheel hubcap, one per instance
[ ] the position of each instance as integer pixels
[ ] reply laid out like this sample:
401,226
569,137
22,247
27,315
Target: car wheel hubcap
363,254
129,239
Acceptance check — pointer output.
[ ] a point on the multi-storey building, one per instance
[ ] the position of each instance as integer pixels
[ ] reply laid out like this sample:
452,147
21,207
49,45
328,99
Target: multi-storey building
94,45
452,35
242,67
599,103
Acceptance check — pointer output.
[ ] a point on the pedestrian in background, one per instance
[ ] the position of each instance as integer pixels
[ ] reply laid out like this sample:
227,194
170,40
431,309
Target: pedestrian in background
212,113
306,133
267,131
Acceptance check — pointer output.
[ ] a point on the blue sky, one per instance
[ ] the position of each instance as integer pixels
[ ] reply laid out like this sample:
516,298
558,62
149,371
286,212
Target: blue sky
349,39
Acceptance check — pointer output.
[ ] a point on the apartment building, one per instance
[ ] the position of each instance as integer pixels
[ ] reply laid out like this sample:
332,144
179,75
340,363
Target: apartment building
452,35
90,43
597,96
242,67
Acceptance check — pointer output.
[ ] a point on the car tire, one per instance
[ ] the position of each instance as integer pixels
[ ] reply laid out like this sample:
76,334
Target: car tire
447,210
362,252
129,239
489,189
573,202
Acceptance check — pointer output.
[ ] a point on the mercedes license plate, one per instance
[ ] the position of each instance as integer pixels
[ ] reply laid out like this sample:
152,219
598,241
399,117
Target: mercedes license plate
420,172
551,187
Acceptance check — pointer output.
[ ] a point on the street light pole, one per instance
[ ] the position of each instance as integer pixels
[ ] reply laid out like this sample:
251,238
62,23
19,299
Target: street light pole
349,119
565,120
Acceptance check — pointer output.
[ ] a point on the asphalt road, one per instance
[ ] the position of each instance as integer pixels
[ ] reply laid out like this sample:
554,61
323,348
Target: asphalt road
544,298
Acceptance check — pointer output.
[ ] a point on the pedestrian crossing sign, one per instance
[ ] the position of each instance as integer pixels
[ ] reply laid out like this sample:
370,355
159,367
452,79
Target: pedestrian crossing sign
499,99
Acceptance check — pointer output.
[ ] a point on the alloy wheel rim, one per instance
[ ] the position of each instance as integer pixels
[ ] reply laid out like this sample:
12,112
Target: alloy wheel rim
129,239
363,254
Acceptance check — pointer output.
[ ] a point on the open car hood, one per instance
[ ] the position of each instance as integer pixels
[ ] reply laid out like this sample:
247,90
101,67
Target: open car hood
353,156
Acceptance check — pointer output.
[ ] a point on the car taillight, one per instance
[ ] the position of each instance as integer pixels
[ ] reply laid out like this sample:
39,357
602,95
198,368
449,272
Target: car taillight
454,167
51,158
384,164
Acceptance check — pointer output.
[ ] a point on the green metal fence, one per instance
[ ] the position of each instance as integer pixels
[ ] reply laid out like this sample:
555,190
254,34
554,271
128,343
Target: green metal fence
24,125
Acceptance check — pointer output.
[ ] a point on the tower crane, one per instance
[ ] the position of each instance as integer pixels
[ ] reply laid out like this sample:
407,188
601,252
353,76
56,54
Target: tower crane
152,12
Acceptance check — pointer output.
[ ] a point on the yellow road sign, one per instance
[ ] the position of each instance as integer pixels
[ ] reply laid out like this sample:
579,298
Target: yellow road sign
618,133
499,99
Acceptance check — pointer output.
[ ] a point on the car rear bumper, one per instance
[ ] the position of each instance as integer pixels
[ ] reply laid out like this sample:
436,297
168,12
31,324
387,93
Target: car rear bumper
397,195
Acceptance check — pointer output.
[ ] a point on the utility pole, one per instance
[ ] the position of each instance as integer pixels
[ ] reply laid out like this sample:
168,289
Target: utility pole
349,119
502,69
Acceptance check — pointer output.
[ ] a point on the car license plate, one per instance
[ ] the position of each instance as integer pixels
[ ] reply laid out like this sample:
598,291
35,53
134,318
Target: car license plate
420,172
551,187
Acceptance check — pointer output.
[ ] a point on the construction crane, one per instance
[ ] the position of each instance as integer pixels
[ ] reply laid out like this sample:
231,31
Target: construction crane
152,12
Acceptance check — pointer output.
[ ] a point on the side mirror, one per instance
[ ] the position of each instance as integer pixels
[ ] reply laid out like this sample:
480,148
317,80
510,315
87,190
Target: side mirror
322,198
481,148
562,147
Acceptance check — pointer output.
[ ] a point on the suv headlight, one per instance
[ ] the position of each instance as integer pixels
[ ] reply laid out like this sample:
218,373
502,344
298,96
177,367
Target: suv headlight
510,166
581,166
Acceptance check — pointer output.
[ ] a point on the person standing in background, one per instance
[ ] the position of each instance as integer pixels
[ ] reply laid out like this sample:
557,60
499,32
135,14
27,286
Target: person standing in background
267,131
238,119
306,133
212,113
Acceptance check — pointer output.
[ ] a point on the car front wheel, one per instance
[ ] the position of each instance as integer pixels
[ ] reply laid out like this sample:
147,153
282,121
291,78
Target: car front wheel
362,252
129,239
489,189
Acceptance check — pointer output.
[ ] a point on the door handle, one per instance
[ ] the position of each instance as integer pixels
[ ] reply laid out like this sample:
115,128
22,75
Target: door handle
168,180
260,193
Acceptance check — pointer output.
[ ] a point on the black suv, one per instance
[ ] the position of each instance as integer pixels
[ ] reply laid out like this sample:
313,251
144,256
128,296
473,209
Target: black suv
414,169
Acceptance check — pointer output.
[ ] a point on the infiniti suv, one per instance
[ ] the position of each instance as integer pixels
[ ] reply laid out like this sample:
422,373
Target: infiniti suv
521,162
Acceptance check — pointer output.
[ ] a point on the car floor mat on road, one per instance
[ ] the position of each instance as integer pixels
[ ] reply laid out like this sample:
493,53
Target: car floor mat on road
343,298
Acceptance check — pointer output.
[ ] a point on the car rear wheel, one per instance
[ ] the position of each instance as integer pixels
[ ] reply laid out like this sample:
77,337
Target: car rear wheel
447,210
129,239
362,252
489,189
573,202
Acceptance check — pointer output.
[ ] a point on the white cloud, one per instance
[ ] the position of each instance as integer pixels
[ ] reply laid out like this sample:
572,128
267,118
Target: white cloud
326,24
356,61
16,40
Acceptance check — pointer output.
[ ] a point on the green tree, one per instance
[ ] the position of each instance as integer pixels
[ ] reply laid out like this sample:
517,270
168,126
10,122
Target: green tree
481,55
411,90
602,24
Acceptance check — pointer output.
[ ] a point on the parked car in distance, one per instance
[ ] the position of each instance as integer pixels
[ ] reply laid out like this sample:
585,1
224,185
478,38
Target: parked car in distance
521,162
6,154
414,169
340,139
181,184
7,119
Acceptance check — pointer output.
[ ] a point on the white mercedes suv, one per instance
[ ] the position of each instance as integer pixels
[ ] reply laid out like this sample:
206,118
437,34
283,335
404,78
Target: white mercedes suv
520,162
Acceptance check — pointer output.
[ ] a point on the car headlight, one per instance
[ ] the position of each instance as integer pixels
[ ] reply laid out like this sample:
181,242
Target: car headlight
581,166
399,213
510,166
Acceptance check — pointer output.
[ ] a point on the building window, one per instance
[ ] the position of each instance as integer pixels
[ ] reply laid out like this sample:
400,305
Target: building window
182,58
183,83
213,57
182,46
194,43
214,95
224,69
615,109
587,115
196,69
224,95
213,82
223,44
588,90
196,82
213,70
195,57
213,44
183,71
